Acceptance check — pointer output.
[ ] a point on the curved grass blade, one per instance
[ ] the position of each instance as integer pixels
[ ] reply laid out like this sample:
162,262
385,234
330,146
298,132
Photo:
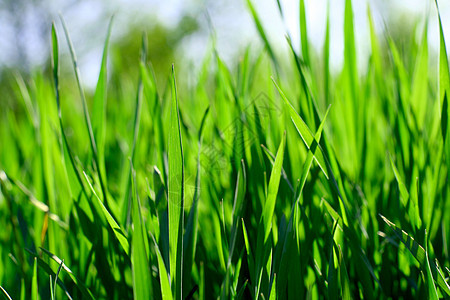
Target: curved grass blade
36,203
75,179
112,223
432,292
274,182
5,293
53,284
163,275
85,291
85,110
176,194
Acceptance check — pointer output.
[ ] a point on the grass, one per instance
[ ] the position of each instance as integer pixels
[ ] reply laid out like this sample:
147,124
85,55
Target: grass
274,179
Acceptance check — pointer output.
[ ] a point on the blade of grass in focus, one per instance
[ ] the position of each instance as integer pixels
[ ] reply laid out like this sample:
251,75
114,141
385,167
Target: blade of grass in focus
176,194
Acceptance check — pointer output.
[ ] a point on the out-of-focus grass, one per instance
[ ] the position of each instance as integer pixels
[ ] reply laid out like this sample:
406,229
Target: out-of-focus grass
273,179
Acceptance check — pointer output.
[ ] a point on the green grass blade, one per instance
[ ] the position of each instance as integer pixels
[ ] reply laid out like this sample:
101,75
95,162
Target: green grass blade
304,132
99,106
163,275
265,223
420,81
34,282
240,294
274,182
250,258
85,109
52,292
176,194
289,235
136,125
432,292
304,34
56,278
118,232
139,249
72,171
273,290
55,64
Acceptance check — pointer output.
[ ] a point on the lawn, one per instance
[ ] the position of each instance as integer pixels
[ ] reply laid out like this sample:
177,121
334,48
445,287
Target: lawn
273,178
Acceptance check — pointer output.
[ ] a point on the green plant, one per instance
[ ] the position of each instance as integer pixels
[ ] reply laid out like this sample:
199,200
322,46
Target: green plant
181,194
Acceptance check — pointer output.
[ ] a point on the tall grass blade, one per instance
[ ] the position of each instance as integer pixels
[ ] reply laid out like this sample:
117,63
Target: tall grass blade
176,194
85,110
